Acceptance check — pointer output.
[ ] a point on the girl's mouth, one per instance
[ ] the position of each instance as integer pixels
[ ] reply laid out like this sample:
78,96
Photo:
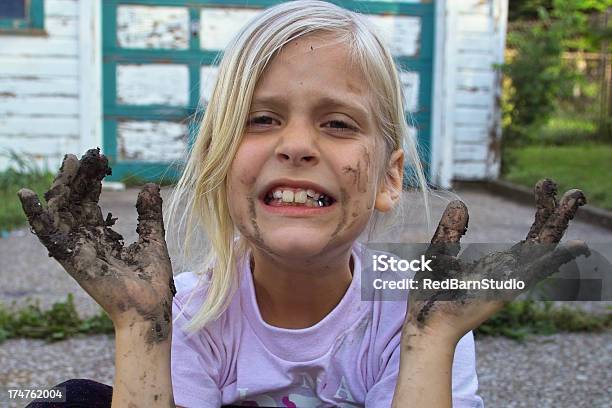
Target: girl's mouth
297,197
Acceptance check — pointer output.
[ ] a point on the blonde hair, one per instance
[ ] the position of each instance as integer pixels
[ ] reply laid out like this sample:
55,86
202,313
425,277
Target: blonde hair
202,187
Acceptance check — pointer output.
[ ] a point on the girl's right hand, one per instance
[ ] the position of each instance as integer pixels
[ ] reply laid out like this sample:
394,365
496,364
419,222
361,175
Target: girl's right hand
133,284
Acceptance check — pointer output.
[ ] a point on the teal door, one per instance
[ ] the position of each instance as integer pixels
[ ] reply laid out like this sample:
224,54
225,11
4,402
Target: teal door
159,65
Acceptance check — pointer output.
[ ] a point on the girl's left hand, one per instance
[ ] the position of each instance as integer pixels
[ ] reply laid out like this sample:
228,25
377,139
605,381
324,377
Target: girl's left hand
450,314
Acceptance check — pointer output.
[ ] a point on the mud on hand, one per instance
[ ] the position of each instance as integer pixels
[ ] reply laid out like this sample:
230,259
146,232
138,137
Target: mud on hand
455,312
133,284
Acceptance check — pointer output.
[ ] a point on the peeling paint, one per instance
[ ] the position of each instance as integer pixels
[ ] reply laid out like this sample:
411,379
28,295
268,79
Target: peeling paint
151,141
402,34
152,27
219,24
153,84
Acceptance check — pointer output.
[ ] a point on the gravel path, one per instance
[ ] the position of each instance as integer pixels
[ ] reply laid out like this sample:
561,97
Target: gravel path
568,370
563,370
35,363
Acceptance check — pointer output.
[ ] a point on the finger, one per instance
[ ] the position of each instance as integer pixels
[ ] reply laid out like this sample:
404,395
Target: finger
60,246
58,196
150,217
452,227
38,218
555,226
86,186
550,263
65,176
546,202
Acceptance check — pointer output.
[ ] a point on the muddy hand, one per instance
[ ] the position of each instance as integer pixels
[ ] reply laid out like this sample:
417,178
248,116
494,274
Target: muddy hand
132,284
531,260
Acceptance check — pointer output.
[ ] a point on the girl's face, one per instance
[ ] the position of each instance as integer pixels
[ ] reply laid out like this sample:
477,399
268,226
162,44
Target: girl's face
303,181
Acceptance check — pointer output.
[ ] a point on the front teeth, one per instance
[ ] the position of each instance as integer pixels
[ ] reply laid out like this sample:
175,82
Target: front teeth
300,197
287,196
309,198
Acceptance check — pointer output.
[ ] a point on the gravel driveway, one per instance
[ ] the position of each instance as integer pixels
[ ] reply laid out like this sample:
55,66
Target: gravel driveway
564,370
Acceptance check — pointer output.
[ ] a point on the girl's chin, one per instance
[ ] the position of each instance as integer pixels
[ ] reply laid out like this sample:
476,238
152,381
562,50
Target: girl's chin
296,248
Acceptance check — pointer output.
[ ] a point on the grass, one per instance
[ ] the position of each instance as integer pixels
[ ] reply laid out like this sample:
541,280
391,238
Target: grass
522,318
516,321
566,130
58,323
22,174
585,166
138,181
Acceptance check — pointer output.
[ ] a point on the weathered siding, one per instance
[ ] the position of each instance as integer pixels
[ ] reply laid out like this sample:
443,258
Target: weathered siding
480,33
39,89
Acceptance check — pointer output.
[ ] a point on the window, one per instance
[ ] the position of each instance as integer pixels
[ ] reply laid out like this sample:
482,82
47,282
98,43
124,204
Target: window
22,16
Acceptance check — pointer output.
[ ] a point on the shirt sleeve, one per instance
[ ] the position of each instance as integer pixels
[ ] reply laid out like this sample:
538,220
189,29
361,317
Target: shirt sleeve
195,365
464,380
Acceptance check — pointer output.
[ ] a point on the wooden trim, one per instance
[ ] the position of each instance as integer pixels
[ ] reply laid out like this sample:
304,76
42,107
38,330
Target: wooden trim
375,7
37,14
500,19
90,75
443,108
26,32
436,112
32,24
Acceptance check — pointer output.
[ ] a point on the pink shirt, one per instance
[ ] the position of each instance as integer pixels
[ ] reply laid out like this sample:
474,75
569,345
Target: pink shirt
348,359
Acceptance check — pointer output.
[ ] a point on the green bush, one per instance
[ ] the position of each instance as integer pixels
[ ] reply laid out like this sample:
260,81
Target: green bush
536,76
538,84
522,318
57,323
517,320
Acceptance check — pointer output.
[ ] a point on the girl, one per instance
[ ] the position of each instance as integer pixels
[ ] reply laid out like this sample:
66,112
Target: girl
301,147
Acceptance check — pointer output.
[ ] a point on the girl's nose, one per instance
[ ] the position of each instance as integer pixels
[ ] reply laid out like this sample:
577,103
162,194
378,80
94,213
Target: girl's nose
297,147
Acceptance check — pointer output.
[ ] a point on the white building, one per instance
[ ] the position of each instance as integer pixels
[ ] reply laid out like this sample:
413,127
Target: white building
125,74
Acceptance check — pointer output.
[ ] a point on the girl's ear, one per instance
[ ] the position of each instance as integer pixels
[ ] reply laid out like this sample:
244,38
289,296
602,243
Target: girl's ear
390,190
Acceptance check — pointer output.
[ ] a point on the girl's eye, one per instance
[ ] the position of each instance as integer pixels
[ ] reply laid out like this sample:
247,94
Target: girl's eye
336,124
344,127
260,120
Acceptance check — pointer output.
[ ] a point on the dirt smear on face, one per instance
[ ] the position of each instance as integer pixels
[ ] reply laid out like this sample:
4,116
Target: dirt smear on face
344,202
354,215
355,173
257,237
360,179
360,172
